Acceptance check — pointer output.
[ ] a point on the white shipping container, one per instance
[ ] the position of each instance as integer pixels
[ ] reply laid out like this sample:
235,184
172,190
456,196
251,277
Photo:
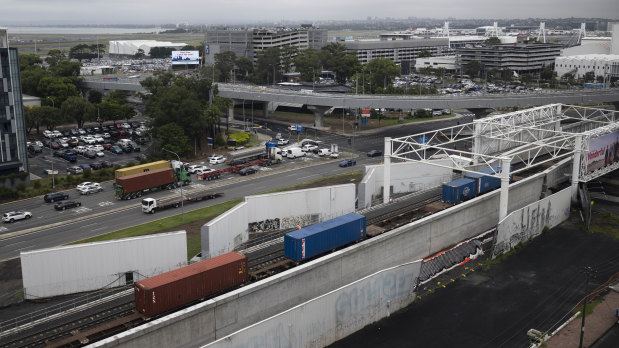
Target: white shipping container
91,266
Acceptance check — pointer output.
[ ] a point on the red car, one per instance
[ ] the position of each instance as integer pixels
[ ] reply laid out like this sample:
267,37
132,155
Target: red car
107,146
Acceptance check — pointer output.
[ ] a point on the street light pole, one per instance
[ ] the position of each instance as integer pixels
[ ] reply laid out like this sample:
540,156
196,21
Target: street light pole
180,173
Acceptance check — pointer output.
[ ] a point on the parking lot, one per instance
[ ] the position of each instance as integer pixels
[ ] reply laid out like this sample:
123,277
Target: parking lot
70,150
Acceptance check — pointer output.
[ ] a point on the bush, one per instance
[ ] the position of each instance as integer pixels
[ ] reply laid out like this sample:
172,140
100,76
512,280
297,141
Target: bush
129,164
37,184
220,142
241,138
87,174
21,187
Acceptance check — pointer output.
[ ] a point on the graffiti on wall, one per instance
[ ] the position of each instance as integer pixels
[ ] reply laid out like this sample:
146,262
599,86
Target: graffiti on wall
264,225
530,221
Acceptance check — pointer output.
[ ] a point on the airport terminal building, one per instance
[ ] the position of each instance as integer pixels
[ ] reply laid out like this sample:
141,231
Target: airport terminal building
521,58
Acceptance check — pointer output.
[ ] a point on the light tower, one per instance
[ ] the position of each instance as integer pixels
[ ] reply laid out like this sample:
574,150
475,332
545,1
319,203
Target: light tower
542,32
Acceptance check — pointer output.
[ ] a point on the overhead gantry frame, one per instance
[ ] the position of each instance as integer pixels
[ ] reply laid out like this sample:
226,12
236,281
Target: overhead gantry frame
529,137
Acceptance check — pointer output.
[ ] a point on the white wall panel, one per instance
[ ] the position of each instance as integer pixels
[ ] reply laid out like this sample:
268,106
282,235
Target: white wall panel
225,232
289,209
333,316
529,222
412,176
367,187
84,267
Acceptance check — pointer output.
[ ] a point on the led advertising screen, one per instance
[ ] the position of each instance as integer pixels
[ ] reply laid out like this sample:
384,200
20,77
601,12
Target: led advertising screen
603,151
185,57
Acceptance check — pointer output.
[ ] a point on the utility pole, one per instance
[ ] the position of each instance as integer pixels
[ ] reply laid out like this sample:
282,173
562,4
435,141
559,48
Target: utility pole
589,273
180,174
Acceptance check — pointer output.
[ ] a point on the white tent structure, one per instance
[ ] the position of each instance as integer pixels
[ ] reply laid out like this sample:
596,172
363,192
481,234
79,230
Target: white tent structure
130,47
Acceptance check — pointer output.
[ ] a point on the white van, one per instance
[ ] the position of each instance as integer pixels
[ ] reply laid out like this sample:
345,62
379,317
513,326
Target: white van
324,152
295,152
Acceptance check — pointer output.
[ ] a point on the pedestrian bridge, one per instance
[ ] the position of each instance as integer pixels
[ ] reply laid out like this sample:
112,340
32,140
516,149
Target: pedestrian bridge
481,105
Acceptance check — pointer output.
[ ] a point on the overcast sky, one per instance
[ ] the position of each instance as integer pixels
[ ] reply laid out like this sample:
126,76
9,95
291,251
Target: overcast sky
33,12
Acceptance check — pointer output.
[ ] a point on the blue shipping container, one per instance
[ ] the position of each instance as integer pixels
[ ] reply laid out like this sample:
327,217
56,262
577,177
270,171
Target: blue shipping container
484,183
496,170
316,239
459,190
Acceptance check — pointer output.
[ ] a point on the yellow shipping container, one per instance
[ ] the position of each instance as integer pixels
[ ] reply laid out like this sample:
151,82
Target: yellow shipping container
147,167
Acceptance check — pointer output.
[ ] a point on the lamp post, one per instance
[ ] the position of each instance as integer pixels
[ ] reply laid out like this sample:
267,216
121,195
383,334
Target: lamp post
180,173
313,78
50,148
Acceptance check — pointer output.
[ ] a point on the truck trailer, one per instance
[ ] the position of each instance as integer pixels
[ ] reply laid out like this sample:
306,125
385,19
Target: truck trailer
135,185
151,205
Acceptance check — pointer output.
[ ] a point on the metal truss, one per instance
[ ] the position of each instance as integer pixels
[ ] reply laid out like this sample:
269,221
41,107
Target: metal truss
527,136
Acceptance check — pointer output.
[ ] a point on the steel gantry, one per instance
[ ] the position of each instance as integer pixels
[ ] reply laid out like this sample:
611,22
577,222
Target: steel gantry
510,143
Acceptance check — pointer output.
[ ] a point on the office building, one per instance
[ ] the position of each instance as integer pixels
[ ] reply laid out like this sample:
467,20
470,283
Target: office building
604,65
13,156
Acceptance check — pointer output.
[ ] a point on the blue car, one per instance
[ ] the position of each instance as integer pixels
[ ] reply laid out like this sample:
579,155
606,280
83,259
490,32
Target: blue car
117,150
348,163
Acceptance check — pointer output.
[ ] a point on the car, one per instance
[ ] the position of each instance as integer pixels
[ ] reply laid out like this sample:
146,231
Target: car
90,189
204,170
106,164
56,134
90,154
217,159
292,127
134,146
81,149
126,148
73,142
282,142
106,135
309,147
140,156
99,153
35,148
75,170
348,163
126,125
141,140
66,204
98,138
85,166
88,184
96,165
334,155
81,131
13,216
248,171
48,133
193,168
55,197
106,146
54,145
116,150
375,153
278,136
89,140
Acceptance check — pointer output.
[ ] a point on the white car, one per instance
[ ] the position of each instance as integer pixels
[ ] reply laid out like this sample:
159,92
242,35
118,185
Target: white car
87,184
16,215
90,189
48,134
56,134
89,140
81,149
126,125
99,139
292,127
106,135
309,147
97,147
99,153
217,160
204,170
282,142
192,168
334,155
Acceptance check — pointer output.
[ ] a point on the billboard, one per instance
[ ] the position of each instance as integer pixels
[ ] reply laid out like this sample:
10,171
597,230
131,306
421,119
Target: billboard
603,151
185,57
365,112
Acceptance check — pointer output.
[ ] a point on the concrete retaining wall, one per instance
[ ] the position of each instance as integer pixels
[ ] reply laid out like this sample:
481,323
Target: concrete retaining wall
275,211
333,316
529,222
236,310
405,177
91,266
559,173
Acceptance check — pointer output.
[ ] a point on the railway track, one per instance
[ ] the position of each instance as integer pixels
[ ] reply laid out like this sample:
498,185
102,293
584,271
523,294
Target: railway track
80,330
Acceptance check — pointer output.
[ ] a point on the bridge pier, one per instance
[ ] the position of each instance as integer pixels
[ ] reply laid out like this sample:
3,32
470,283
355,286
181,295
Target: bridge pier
480,112
319,114
265,109
231,113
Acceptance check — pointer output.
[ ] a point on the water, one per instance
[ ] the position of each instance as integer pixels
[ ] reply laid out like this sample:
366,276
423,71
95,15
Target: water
80,30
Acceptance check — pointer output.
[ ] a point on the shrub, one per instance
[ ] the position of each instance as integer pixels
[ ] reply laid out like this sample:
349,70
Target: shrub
21,187
129,164
87,174
37,184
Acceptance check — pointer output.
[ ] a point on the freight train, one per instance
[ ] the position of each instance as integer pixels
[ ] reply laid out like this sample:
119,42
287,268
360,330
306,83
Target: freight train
134,181
181,287
472,185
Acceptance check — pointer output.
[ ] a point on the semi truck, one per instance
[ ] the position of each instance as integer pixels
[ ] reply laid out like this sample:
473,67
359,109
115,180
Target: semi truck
151,205
148,179
273,156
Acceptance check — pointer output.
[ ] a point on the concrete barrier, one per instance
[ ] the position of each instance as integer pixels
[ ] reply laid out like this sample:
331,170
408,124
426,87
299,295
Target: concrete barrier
211,320
333,316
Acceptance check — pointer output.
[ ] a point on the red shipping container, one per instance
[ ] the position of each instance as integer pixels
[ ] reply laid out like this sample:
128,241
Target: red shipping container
185,285
142,181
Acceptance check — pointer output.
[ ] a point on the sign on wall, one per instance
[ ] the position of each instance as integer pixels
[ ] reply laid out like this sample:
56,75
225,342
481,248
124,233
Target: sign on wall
185,57
603,151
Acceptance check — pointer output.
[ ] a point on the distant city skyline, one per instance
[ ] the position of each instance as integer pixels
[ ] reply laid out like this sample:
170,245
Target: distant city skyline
114,12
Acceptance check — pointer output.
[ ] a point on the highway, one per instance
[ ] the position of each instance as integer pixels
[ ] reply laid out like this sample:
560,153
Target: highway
100,213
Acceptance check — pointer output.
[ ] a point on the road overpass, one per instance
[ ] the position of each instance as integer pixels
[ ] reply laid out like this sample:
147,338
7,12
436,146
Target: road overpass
481,105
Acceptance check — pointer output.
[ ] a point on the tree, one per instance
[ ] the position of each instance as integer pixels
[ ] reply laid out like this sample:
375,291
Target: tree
30,79
307,63
424,54
472,68
28,60
161,52
382,73
334,57
78,109
94,96
224,63
492,74
35,116
67,69
245,67
599,79
172,137
426,70
493,40
54,57
526,78
140,54
85,51
267,66
57,88
287,57
423,113
589,76
547,74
